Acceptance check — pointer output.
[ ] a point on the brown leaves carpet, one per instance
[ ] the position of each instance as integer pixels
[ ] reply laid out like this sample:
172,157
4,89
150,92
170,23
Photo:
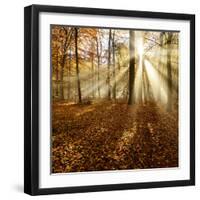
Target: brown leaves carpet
112,136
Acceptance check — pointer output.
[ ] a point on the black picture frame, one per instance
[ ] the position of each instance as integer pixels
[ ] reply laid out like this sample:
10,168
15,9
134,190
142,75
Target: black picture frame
31,98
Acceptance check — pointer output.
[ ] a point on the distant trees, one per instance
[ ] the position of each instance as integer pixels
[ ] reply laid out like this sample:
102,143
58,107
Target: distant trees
92,54
55,58
114,73
162,53
111,62
73,49
92,63
108,68
69,73
56,67
67,36
99,52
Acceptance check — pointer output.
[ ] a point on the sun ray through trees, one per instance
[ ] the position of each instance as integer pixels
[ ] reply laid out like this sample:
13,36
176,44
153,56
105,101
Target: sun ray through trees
114,99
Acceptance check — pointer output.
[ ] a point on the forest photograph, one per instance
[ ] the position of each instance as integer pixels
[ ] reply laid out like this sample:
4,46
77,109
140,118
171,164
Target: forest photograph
114,99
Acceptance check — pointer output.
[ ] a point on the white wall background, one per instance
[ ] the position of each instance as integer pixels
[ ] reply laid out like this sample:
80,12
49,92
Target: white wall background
11,100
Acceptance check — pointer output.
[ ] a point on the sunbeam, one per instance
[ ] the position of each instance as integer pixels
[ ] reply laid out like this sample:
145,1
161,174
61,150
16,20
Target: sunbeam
103,85
154,79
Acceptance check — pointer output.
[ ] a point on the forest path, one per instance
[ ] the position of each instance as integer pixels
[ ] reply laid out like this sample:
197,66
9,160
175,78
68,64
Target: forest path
109,135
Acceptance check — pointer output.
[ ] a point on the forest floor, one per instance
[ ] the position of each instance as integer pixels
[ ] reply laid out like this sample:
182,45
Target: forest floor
111,136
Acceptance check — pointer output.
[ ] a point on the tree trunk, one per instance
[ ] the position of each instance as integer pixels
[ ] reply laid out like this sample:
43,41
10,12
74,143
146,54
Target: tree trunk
93,75
144,94
169,73
57,70
146,86
98,65
61,82
114,85
63,65
131,99
77,66
69,75
108,70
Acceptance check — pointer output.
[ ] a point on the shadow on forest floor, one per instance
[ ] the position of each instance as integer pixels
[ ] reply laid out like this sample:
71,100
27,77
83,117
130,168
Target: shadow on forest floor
110,135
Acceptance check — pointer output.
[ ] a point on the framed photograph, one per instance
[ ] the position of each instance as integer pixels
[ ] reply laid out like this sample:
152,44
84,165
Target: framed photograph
109,100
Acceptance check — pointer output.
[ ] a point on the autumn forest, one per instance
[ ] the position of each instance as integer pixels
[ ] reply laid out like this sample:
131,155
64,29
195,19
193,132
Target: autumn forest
114,95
